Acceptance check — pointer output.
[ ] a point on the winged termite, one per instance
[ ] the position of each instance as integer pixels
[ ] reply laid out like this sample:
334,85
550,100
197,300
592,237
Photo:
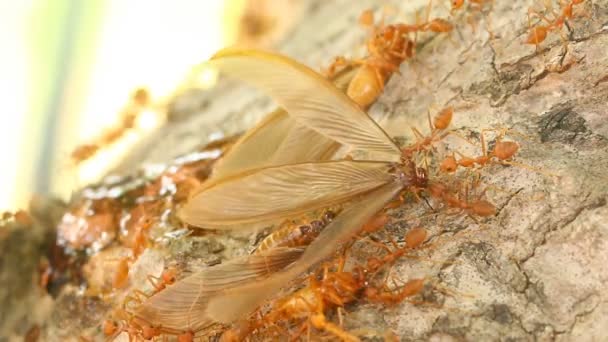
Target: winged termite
277,140
226,292
277,192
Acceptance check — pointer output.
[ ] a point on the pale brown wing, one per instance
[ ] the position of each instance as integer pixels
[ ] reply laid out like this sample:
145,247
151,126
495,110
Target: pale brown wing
302,145
183,306
256,148
273,193
310,98
238,301
277,140
227,292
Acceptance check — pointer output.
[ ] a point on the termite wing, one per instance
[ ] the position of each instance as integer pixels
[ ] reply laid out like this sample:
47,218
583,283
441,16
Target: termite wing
270,192
278,140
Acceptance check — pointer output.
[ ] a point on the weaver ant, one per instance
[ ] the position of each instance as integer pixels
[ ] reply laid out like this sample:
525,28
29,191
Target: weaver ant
502,151
539,33
476,207
387,297
388,47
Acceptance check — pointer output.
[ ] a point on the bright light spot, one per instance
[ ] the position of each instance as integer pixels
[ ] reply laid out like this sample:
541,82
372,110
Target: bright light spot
13,97
147,120
89,171
207,77
157,49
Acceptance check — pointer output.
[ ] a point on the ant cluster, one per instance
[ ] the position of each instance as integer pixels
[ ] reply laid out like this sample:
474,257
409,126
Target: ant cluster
441,181
114,223
555,22
334,285
388,47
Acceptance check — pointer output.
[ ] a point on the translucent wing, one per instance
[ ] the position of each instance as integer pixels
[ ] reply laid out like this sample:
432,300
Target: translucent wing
302,144
250,295
310,98
227,292
273,193
276,140
183,306
256,148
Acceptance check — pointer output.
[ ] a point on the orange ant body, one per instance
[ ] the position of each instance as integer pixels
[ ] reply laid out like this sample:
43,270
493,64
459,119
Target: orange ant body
539,33
411,288
333,289
457,4
136,332
168,277
139,100
127,322
388,47
502,151
83,152
122,274
438,126
413,239
477,207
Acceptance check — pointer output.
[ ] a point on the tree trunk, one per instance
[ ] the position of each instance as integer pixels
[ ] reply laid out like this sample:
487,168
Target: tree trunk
536,270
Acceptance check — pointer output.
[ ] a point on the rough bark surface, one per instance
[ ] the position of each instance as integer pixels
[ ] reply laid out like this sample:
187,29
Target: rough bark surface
537,270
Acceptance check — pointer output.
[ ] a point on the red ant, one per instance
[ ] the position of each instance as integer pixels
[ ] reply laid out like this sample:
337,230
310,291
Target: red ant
539,33
409,289
413,239
388,47
502,151
477,207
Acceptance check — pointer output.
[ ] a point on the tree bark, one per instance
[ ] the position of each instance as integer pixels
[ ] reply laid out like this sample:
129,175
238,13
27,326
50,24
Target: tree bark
536,270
